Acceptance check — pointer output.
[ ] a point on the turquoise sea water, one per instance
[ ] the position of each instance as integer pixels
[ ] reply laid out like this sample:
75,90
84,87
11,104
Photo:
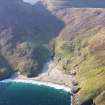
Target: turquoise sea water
30,94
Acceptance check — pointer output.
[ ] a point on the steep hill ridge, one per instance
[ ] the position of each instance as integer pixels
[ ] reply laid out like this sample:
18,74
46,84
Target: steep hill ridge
25,32
76,52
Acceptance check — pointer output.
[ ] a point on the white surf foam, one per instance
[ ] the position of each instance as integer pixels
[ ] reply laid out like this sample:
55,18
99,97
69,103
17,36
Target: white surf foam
56,86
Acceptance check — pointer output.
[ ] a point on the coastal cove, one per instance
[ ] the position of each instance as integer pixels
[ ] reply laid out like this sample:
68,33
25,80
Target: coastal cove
29,92
38,90
52,52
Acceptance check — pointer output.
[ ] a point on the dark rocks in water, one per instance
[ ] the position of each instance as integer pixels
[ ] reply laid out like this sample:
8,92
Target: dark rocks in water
88,102
75,89
5,73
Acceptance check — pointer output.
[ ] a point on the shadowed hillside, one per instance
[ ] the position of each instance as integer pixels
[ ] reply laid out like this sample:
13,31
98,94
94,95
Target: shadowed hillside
5,68
23,29
27,20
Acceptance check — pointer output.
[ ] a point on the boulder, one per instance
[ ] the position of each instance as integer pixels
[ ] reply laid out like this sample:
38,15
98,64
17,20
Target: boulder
88,102
75,89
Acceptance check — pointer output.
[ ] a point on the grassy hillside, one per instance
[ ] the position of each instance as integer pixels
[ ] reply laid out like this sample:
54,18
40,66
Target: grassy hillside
80,48
86,57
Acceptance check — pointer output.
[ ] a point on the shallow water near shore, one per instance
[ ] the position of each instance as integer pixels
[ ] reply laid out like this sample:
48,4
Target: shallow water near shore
18,93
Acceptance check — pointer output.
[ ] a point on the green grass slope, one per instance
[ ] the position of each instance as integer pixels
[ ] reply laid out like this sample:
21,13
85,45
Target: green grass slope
86,56
80,48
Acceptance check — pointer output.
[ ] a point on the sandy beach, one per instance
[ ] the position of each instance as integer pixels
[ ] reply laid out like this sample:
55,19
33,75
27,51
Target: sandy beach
52,75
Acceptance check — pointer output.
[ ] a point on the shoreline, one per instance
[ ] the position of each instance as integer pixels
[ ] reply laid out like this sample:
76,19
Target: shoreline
30,81
53,77
42,83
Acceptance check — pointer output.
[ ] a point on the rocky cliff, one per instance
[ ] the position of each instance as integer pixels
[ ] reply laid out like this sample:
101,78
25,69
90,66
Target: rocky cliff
79,48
